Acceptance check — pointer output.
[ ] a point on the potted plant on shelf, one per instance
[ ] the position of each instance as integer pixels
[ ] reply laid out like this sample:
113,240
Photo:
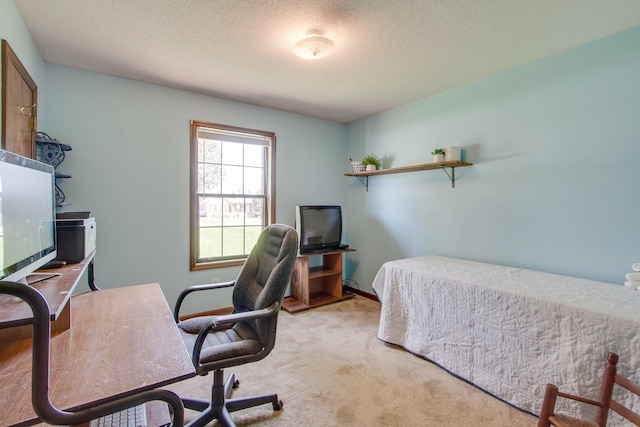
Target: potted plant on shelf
438,155
371,162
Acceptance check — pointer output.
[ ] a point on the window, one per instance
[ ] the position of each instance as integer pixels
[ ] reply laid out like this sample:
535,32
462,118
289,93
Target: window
232,192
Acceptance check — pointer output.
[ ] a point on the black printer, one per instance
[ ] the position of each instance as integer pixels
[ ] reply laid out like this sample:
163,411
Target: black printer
76,236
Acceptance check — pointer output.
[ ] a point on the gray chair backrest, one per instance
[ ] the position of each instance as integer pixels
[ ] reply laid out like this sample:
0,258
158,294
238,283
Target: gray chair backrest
265,275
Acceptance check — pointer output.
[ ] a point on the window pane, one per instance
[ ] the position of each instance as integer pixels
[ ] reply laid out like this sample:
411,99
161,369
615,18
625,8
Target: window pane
210,151
233,211
201,143
255,212
211,178
231,179
233,241
251,236
210,211
200,182
232,153
210,242
253,181
254,155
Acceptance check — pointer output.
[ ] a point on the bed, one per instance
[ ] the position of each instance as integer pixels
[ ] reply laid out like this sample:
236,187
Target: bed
509,331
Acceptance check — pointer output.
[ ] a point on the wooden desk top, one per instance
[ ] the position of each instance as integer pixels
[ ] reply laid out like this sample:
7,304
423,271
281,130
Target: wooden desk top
121,341
56,290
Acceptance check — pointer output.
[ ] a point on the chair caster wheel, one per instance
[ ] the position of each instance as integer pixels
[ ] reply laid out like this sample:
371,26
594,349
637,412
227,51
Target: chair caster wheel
236,384
278,405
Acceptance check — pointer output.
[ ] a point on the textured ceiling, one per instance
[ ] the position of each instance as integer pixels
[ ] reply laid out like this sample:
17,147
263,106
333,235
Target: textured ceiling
388,52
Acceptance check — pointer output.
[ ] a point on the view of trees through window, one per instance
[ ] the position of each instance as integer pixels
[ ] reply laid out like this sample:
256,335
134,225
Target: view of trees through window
232,194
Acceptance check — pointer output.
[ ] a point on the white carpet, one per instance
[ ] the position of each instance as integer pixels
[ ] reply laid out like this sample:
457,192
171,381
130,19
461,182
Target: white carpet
329,369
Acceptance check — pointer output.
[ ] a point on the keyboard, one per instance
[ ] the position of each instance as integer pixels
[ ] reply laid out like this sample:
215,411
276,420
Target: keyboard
135,416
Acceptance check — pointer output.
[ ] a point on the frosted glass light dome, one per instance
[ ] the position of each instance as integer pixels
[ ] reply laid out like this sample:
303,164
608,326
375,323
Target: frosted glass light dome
313,46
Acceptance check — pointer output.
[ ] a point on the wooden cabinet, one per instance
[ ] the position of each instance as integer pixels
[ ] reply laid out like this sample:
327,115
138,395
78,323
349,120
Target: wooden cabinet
317,285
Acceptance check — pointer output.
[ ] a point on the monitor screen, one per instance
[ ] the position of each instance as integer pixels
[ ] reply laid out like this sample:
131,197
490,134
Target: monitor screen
319,227
27,216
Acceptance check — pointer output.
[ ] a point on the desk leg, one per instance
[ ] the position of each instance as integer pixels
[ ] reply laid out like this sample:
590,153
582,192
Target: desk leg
91,277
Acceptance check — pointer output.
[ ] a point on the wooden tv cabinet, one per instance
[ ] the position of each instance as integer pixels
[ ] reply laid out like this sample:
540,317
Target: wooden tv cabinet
316,286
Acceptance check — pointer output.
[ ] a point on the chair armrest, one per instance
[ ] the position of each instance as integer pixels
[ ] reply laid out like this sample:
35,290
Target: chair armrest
238,317
195,288
227,319
549,404
579,399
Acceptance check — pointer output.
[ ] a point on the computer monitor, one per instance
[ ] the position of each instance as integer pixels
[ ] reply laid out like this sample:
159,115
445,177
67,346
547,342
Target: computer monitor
27,216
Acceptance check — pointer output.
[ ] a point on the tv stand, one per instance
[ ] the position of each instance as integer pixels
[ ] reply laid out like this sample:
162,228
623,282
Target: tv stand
316,286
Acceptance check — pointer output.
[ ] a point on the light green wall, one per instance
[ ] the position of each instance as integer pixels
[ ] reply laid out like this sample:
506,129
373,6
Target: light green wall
554,186
130,167
130,163
555,147
14,31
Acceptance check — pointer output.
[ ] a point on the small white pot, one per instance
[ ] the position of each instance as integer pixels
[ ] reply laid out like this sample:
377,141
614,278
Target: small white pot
437,158
371,168
452,153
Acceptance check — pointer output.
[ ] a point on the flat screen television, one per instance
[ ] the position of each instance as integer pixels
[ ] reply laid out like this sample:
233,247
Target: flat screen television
319,228
27,216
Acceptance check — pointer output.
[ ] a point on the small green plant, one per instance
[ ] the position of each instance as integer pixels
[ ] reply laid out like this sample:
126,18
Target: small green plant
438,151
371,159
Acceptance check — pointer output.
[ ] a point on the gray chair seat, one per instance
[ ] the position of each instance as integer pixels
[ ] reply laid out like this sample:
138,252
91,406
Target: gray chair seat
235,341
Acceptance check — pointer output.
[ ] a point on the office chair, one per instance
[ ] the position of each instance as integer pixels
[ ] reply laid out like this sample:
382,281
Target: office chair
246,335
610,378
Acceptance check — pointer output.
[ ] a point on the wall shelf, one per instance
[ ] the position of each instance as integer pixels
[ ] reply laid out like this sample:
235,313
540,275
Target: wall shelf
363,177
52,152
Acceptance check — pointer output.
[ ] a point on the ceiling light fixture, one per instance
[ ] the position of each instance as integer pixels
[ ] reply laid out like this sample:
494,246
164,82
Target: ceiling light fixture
313,46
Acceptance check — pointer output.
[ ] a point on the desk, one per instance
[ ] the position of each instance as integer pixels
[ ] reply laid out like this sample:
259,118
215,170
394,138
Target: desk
56,290
121,342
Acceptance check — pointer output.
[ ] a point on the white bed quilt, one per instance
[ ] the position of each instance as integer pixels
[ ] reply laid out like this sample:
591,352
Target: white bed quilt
510,331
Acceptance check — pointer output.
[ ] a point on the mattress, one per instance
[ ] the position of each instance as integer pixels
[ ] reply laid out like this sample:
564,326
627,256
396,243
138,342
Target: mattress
510,331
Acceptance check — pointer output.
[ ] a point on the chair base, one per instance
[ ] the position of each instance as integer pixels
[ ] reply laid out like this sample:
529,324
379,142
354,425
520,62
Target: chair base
220,406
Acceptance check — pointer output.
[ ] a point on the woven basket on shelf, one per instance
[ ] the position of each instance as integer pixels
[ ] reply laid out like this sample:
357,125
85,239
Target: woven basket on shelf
357,167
